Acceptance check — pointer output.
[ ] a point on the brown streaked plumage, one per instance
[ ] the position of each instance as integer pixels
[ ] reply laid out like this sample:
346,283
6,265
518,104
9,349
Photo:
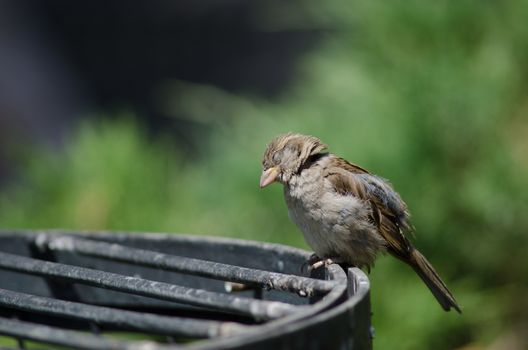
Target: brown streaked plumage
345,213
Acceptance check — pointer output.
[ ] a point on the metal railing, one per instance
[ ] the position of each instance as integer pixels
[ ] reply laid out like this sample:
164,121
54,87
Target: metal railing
174,286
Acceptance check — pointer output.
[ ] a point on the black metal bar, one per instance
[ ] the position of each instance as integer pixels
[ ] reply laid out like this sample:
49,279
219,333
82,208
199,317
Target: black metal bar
58,289
269,280
338,319
361,330
57,336
128,320
258,309
21,342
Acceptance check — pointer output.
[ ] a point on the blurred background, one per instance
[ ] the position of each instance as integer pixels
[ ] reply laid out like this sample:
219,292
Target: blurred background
153,116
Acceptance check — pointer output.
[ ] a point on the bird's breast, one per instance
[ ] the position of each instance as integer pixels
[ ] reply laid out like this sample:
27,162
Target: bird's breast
334,225
308,209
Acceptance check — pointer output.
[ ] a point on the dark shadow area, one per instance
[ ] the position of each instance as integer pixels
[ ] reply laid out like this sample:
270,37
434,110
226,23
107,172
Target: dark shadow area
70,59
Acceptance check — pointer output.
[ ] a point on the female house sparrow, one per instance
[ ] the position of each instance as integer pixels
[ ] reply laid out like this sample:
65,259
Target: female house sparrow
345,213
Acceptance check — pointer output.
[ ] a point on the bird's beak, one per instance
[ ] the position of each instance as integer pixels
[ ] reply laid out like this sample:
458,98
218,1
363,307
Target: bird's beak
268,176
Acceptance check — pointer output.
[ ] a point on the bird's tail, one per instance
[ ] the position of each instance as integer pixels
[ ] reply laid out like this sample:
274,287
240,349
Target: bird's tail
433,281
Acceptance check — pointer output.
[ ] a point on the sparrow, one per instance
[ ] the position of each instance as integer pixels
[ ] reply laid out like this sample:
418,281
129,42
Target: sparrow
346,214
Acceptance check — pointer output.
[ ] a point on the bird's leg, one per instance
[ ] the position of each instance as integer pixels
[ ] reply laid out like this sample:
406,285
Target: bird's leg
313,259
307,265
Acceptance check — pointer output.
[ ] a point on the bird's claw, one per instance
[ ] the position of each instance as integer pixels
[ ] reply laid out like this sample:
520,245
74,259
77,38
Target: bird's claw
324,262
314,262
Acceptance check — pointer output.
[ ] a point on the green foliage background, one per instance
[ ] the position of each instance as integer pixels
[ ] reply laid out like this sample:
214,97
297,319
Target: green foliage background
433,96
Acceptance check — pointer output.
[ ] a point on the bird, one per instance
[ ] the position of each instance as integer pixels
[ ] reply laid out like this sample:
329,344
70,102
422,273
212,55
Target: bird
347,215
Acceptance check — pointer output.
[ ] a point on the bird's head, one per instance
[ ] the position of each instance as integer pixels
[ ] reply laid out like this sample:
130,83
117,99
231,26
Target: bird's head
285,155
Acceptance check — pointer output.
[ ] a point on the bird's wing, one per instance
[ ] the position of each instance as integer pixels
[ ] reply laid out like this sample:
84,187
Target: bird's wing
389,212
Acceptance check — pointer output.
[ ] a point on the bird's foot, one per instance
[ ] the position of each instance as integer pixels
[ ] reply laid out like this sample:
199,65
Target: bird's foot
324,262
306,266
314,262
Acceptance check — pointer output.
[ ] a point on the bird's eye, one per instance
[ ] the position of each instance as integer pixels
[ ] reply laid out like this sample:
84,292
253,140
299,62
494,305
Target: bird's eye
276,158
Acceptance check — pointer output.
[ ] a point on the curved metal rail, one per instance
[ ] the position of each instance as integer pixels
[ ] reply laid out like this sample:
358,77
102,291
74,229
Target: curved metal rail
174,285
